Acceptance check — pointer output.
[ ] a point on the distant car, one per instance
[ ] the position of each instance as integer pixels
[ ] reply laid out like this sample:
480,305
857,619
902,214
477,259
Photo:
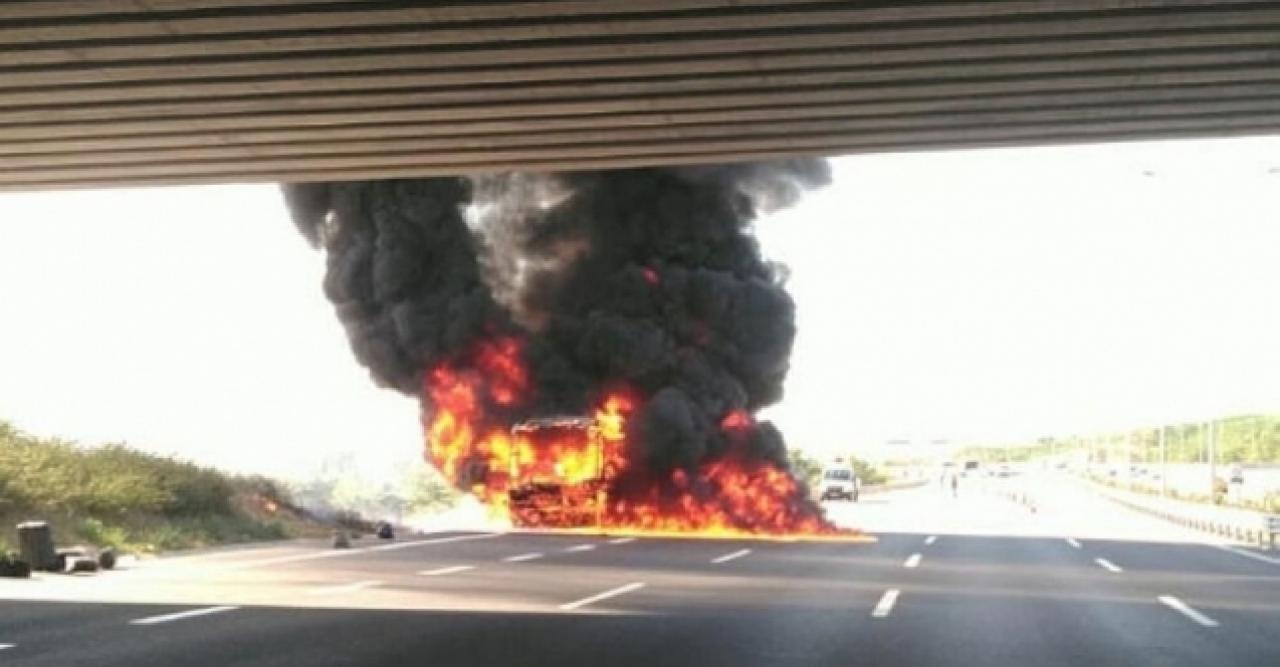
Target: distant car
385,531
839,482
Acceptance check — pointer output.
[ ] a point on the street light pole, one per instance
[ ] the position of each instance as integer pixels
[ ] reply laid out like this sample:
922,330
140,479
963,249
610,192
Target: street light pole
1213,460
1164,466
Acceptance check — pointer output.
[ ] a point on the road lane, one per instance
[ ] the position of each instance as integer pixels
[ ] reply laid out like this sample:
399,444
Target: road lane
1018,601
998,586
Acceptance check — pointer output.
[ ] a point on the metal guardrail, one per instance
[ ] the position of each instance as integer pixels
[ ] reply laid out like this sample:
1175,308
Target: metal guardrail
1244,525
893,486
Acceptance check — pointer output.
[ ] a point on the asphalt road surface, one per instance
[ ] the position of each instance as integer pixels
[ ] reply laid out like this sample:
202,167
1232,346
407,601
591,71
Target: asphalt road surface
973,580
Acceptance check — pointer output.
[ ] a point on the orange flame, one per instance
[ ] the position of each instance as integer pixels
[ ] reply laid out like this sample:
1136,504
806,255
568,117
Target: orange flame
562,472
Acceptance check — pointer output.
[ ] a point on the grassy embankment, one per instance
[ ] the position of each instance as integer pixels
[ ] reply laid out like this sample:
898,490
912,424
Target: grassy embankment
1245,439
117,496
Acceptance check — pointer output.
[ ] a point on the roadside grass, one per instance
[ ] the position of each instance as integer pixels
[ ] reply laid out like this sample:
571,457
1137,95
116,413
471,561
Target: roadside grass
137,502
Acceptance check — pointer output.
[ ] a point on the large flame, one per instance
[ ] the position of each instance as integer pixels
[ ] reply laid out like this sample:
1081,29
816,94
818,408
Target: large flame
560,472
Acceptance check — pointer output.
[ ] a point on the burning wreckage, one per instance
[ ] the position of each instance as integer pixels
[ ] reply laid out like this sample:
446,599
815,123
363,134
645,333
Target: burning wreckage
636,302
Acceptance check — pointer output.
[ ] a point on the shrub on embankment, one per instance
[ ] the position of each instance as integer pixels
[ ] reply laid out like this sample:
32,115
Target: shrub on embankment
117,496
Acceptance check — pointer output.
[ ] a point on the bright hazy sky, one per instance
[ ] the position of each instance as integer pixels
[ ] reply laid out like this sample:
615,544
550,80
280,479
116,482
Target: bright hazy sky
996,294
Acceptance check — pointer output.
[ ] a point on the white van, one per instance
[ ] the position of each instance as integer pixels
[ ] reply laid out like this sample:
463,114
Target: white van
839,482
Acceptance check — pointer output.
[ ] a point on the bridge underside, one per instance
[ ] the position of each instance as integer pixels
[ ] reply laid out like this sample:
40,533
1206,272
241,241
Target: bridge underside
120,92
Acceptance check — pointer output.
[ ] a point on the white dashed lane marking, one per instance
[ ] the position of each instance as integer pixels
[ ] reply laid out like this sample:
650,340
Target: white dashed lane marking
730,556
345,588
1072,541
5,646
192,613
580,547
613,592
912,561
622,540
519,558
885,605
453,569
1108,565
1248,554
931,539
1182,608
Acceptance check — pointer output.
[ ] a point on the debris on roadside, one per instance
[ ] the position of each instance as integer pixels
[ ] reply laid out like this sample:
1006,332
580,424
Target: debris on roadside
38,553
12,566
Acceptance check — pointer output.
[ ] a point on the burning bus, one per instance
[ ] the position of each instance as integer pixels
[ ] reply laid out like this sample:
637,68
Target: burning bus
569,490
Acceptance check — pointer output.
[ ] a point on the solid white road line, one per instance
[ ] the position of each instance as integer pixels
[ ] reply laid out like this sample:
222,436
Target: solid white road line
522,557
622,540
418,543
885,605
454,569
579,548
336,553
730,556
612,592
345,588
931,539
912,561
165,618
1108,565
1072,541
1182,608
1249,554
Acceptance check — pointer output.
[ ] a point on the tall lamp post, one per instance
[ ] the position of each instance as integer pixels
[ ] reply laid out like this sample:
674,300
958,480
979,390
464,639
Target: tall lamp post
1164,465
1212,436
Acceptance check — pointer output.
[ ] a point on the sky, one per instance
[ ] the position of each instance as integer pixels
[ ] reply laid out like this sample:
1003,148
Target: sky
967,296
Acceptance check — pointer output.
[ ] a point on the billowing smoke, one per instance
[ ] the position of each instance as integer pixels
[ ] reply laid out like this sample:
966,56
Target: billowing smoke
647,280
402,271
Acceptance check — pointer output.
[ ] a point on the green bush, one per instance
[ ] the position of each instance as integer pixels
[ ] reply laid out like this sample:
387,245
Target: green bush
103,535
121,497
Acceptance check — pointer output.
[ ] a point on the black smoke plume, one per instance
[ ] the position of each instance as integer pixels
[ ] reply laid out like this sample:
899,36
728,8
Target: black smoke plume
645,278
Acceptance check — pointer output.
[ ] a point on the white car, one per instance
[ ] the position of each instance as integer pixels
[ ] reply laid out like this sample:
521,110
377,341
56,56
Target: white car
840,483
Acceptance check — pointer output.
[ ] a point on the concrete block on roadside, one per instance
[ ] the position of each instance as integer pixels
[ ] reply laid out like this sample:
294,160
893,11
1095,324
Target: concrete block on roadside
35,541
80,564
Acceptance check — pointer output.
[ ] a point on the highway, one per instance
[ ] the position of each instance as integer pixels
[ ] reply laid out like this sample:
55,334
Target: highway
973,580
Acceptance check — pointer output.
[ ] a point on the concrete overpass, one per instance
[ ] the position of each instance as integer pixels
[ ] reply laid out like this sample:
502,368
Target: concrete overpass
116,92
